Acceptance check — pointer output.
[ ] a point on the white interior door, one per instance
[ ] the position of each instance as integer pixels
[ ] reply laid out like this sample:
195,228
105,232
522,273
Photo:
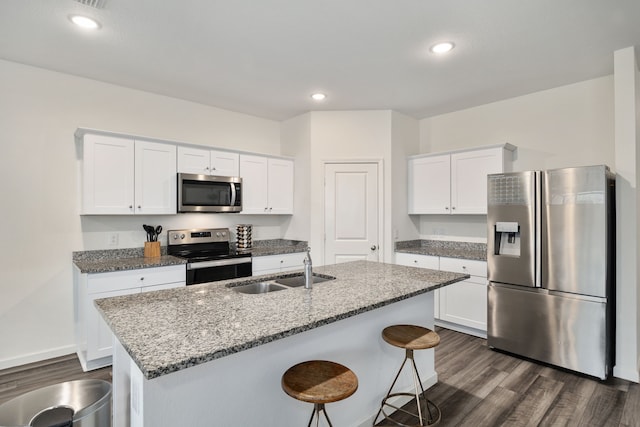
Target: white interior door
351,212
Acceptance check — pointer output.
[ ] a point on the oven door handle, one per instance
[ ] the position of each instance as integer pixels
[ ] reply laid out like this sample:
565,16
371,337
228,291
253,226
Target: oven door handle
218,263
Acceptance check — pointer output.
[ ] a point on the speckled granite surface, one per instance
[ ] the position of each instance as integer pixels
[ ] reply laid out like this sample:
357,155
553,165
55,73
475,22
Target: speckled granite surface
174,329
277,247
106,261
444,248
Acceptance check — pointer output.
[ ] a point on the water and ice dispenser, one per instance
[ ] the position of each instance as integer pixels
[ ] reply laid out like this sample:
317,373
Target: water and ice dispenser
507,238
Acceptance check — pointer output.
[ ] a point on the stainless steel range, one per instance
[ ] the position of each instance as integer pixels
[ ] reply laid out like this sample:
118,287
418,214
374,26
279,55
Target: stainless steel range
209,255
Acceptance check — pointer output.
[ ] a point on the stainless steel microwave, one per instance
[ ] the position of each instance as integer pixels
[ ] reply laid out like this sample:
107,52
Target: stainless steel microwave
208,193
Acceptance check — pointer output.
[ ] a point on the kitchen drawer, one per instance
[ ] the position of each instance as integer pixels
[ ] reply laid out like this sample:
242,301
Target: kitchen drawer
466,266
421,261
278,263
113,281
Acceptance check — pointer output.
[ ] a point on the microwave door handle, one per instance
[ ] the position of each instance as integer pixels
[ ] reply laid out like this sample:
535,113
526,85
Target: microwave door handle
233,194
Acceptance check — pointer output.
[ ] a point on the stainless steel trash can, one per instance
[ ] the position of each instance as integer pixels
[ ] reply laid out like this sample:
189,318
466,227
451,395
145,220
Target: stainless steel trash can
81,403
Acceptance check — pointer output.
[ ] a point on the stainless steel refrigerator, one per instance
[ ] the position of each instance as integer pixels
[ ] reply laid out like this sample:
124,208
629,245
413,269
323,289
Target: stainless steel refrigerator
551,266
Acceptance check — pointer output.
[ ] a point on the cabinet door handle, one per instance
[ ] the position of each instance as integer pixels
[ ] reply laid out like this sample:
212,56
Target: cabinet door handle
415,261
130,206
446,208
453,208
139,207
142,278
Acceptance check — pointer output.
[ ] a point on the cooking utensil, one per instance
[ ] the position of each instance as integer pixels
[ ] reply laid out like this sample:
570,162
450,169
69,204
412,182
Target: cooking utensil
157,231
149,231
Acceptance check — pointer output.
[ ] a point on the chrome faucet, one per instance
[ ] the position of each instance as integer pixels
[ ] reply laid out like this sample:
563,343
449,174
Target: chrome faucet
308,270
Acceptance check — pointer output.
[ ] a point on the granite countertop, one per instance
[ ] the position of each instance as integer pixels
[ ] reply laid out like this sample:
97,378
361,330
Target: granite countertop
174,329
277,247
444,248
106,261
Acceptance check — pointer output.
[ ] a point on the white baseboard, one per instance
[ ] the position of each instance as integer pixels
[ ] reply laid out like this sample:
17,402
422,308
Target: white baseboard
464,329
37,357
626,374
399,400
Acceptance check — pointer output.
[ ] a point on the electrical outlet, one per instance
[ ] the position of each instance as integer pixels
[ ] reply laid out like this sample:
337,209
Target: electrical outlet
113,239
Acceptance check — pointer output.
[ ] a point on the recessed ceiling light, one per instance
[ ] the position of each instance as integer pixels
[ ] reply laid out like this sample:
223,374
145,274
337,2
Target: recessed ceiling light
442,47
318,96
85,22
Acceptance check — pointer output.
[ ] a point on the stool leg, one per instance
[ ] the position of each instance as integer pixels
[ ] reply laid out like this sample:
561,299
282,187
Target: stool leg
418,394
390,388
317,408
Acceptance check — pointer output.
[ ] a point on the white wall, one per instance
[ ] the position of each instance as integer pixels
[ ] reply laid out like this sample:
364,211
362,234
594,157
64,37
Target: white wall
344,135
627,155
39,113
296,142
567,126
405,142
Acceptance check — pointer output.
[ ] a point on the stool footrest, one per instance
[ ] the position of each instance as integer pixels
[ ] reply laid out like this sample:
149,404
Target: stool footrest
430,412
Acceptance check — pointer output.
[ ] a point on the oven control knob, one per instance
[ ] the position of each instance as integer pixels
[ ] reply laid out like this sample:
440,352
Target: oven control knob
224,234
182,236
175,237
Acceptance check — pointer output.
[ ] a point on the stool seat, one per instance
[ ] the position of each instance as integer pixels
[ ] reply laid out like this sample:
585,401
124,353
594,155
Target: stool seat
319,382
410,337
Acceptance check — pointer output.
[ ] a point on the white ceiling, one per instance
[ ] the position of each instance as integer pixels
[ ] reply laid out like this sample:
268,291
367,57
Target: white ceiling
265,57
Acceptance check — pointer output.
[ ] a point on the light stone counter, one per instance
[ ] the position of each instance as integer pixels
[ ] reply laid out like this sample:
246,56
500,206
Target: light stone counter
170,330
444,248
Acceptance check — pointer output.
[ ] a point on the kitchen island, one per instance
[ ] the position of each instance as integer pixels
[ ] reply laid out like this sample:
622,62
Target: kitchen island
208,355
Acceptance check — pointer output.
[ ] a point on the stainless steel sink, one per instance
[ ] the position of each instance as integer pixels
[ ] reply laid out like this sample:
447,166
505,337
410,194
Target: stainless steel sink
288,282
296,281
258,288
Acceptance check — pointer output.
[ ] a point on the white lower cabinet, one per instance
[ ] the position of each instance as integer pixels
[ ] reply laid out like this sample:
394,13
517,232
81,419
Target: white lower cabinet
270,264
423,261
461,306
94,340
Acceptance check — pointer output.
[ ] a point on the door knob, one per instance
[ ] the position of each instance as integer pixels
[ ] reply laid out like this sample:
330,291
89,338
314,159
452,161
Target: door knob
374,247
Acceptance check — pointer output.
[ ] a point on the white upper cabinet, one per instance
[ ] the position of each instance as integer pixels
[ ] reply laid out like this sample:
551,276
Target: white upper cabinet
108,175
455,183
155,178
267,185
208,162
280,186
429,185
121,176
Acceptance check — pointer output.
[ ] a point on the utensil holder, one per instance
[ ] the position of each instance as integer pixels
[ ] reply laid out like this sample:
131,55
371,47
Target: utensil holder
151,249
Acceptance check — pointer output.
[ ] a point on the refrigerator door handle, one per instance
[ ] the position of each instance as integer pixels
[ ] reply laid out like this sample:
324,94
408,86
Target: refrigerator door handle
539,176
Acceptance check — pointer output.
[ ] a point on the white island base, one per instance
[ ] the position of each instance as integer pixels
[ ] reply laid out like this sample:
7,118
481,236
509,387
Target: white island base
243,389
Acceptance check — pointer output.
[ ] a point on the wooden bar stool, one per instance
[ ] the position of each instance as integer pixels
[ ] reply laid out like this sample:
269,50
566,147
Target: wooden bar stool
319,382
411,337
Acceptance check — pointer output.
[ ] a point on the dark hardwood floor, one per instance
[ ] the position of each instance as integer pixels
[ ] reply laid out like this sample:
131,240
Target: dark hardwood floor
476,387
481,387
